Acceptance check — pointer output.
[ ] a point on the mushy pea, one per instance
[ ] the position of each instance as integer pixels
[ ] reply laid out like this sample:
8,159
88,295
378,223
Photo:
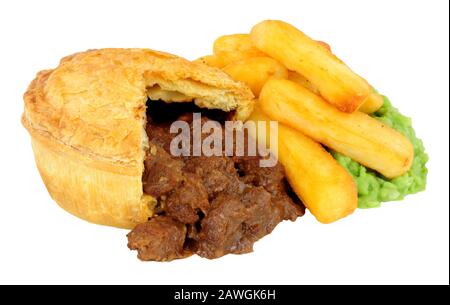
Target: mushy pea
374,188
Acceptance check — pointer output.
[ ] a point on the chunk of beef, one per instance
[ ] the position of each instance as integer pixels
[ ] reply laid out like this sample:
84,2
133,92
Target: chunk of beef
162,172
217,173
235,223
185,202
271,178
159,239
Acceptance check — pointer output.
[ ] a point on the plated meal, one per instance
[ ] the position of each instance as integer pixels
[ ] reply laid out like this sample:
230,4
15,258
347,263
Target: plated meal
206,157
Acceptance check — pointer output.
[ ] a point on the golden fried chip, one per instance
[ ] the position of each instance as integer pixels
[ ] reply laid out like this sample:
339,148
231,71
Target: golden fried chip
301,80
231,48
335,81
256,71
372,104
357,135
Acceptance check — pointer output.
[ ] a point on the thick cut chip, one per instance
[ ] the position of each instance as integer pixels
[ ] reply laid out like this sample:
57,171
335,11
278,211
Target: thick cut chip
256,71
336,82
231,48
370,105
356,135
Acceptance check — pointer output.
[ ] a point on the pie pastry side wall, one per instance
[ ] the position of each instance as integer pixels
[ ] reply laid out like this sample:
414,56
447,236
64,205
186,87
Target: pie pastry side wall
90,190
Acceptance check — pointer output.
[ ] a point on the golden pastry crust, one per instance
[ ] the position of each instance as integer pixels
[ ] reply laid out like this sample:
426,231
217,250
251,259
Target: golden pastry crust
87,119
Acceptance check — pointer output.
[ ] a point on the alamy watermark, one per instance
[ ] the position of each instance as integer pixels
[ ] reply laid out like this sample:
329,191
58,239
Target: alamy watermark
213,139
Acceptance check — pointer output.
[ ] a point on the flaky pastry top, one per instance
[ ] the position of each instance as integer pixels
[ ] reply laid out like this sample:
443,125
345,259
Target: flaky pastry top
93,104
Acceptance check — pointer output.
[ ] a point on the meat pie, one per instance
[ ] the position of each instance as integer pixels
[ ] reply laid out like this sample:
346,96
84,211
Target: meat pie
100,128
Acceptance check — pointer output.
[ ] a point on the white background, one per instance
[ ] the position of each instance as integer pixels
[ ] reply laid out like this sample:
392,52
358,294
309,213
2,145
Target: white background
401,47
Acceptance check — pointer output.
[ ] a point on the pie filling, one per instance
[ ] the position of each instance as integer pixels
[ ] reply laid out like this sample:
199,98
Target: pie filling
209,206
